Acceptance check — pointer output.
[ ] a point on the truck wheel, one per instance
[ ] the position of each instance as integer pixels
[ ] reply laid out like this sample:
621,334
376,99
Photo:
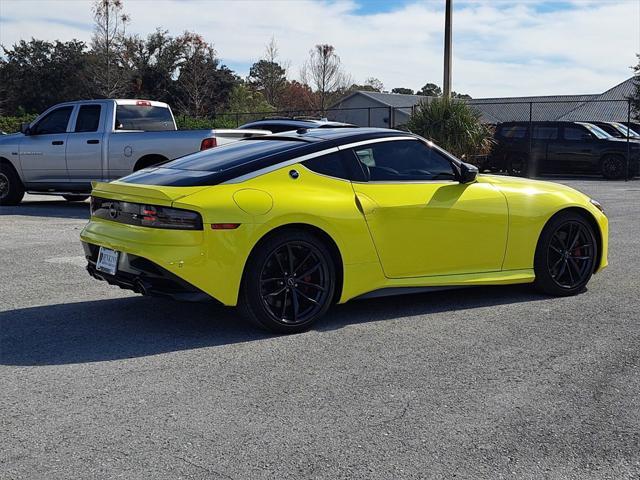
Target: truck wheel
613,167
518,166
75,198
11,188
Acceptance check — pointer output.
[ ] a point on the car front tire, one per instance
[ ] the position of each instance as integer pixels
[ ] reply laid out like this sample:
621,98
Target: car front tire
566,255
288,283
11,188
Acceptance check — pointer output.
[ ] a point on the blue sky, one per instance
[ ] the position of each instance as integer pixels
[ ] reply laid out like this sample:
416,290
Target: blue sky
501,47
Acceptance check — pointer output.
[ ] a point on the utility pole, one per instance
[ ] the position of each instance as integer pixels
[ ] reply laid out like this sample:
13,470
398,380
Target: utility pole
447,51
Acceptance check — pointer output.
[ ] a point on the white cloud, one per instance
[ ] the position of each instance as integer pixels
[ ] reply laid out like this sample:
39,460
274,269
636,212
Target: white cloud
500,48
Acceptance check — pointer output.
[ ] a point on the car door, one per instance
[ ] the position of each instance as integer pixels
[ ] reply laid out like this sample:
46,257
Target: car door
422,220
544,142
43,149
84,146
575,152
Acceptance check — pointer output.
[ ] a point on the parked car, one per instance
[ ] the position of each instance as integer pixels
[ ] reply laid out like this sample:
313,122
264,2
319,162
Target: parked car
560,147
284,124
72,144
618,130
286,225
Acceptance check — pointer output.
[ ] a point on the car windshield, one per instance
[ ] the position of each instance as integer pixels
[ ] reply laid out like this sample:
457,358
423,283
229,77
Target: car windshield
597,131
233,154
626,131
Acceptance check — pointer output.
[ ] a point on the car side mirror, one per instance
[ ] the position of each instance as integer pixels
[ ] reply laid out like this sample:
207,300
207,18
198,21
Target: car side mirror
25,129
468,172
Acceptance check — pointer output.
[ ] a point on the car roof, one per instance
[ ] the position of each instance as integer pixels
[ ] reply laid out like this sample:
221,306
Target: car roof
296,123
348,134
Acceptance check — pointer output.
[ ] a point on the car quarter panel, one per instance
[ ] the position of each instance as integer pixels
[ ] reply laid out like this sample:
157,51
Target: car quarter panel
274,200
531,204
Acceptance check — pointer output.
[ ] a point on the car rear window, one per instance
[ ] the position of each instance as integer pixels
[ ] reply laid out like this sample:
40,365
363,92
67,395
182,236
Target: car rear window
232,155
219,164
144,117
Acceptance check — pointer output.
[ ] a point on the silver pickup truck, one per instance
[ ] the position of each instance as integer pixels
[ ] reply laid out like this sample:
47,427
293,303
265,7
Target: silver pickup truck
74,143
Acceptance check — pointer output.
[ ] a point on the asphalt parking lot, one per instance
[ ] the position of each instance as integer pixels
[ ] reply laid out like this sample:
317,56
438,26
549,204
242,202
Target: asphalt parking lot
496,382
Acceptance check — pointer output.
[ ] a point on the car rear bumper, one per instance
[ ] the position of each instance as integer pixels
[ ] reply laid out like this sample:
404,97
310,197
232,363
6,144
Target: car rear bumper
143,276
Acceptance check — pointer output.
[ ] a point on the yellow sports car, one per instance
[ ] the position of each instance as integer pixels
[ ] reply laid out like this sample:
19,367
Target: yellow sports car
285,225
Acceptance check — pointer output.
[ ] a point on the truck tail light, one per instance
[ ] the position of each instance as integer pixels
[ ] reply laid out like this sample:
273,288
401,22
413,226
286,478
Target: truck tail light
208,143
143,103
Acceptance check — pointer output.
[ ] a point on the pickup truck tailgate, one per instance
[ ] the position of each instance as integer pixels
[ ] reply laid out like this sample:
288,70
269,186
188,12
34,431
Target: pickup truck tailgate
158,195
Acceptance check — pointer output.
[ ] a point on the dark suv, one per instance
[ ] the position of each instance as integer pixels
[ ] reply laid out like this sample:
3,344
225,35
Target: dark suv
277,125
560,147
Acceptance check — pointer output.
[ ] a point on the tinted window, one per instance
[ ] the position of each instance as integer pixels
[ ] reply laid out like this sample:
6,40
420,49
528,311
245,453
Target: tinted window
404,160
545,133
331,165
513,131
54,122
143,117
611,130
575,133
232,154
88,118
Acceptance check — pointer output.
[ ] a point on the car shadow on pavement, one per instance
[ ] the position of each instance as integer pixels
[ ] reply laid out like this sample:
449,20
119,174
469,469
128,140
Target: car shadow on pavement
133,327
50,209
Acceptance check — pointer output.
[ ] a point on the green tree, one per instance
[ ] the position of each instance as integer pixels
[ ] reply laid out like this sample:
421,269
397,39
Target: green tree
430,90
453,125
402,90
35,75
268,76
152,64
203,85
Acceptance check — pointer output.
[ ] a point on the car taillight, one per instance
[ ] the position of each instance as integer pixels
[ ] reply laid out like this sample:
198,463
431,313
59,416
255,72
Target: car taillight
172,218
208,143
143,103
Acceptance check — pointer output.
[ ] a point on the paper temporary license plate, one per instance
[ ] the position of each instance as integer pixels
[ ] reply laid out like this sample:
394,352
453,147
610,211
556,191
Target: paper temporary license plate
107,261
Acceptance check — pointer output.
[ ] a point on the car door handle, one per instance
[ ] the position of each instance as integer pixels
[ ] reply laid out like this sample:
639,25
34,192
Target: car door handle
93,142
57,142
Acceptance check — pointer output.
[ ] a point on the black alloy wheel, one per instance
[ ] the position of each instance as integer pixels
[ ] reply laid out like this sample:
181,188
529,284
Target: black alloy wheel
566,255
613,167
289,282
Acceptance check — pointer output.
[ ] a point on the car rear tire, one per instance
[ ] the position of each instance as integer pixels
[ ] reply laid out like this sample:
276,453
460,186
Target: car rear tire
288,283
75,198
566,255
11,188
518,166
613,167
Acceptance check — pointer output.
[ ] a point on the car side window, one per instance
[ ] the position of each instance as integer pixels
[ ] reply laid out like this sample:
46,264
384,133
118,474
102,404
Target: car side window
575,133
54,122
88,118
513,131
332,165
545,133
403,161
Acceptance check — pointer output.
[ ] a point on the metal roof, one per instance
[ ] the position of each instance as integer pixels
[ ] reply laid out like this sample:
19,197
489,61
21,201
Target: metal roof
608,106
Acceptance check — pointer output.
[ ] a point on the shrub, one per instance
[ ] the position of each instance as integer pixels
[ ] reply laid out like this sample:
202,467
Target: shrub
12,124
192,123
453,125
